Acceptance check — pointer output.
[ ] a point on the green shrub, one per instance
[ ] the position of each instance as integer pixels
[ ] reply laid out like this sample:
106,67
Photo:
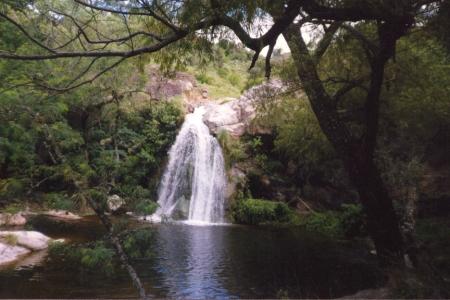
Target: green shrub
233,149
352,221
137,244
326,223
256,211
203,78
58,201
99,198
93,258
145,207
12,208
98,257
349,222
11,187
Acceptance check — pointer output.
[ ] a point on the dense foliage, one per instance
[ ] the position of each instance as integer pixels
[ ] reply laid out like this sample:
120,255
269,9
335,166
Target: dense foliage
257,211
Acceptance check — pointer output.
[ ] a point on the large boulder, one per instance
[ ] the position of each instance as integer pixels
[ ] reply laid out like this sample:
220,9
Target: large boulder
162,87
31,240
10,253
27,246
115,204
224,117
236,115
12,219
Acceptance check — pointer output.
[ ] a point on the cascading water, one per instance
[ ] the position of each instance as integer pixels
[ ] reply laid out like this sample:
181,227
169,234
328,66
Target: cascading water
193,184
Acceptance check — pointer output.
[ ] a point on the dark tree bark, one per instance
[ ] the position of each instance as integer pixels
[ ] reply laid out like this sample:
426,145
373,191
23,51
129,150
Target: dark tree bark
357,154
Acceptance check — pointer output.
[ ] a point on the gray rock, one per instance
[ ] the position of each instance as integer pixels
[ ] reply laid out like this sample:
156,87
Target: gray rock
161,87
10,253
62,214
235,116
31,240
12,219
236,177
115,203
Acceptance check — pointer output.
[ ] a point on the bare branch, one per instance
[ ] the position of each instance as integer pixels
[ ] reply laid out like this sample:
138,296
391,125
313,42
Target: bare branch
149,13
10,20
268,56
71,87
347,88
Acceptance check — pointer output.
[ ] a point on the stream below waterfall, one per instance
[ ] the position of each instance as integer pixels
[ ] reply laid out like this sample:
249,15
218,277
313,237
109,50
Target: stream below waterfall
208,262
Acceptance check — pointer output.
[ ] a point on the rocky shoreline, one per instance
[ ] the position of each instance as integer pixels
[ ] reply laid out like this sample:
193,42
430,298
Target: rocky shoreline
17,243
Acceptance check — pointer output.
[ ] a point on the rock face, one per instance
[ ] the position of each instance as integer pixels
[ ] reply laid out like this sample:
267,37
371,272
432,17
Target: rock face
236,177
12,219
161,87
235,116
115,203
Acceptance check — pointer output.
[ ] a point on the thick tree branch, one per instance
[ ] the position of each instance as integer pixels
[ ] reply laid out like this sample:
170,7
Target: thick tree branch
326,40
347,88
125,54
370,47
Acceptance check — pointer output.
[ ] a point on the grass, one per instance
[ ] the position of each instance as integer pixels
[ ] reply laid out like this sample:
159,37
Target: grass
10,239
227,81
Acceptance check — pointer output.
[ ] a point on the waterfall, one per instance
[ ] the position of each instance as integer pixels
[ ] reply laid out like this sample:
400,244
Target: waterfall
193,184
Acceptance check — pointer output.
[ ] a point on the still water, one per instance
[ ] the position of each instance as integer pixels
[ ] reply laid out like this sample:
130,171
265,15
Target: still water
212,262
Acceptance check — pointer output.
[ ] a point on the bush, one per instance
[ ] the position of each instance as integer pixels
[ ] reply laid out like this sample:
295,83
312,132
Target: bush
349,222
12,208
352,221
326,223
138,244
145,207
203,78
233,149
98,257
256,211
11,188
58,201
95,258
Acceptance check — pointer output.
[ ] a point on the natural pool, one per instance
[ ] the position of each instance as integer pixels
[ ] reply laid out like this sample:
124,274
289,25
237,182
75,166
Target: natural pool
208,262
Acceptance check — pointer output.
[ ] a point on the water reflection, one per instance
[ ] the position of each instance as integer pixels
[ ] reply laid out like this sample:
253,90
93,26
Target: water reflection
214,262
190,259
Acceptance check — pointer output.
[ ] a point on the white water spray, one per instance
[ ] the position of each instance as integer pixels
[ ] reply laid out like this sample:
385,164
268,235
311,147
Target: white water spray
193,184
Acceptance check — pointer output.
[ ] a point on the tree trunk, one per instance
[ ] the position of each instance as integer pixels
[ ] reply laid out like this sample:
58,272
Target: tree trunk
382,220
357,156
